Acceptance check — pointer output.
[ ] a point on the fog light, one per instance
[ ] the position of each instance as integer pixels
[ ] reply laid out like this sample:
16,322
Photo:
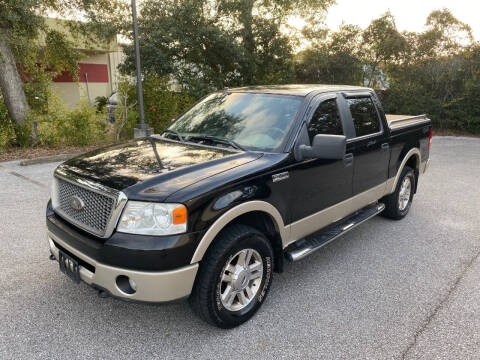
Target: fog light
132,284
126,285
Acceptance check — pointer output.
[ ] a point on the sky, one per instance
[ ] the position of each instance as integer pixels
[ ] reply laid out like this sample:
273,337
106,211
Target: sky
410,15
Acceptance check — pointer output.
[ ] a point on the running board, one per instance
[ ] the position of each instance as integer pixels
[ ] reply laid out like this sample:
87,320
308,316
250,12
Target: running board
303,247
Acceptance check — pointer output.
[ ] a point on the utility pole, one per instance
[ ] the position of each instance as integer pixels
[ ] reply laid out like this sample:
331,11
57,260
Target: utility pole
142,129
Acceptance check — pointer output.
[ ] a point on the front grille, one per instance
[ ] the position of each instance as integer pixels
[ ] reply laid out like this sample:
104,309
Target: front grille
96,210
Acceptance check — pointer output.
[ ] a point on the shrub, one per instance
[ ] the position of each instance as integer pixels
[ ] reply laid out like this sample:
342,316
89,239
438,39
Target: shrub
81,126
161,105
101,102
7,130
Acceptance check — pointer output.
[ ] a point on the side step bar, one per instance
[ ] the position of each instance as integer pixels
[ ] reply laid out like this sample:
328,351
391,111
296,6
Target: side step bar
311,243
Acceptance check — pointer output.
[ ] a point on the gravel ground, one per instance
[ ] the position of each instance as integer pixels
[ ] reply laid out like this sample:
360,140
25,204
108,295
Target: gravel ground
387,290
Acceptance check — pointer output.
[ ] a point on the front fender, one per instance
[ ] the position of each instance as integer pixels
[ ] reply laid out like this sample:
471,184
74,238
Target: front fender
233,213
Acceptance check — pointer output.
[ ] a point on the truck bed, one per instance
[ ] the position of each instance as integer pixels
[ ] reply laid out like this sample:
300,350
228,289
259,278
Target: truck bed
396,122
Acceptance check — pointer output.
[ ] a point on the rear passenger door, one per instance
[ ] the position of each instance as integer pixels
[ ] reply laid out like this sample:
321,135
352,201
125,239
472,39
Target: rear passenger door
369,145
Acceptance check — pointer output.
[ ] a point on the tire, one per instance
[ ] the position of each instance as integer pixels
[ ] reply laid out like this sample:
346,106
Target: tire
211,299
394,208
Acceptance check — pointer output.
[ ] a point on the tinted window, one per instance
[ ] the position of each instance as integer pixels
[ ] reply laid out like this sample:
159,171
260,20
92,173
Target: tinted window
258,121
325,120
364,116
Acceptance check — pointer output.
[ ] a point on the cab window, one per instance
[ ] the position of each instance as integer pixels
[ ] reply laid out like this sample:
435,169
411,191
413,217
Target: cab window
364,116
325,120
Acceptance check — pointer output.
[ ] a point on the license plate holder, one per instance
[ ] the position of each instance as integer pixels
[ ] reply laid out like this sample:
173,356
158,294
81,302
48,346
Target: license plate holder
69,266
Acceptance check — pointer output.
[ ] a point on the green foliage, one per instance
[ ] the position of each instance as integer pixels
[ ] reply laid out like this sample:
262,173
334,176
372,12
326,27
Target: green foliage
435,72
61,126
12,134
161,105
60,54
179,40
337,60
43,52
7,130
439,73
205,46
20,18
101,103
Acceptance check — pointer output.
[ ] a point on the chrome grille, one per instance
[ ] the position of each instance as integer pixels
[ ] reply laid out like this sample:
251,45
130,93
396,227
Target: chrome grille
95,212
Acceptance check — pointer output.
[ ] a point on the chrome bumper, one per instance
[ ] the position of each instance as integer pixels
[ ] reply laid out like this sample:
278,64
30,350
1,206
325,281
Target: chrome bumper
156,286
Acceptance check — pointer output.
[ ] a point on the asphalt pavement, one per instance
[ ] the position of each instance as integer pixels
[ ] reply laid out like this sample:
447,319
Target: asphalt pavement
405,289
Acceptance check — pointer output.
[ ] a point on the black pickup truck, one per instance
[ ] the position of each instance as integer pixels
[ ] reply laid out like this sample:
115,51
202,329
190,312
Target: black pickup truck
244,179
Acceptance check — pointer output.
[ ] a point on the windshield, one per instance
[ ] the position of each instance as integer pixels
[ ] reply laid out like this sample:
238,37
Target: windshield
253,121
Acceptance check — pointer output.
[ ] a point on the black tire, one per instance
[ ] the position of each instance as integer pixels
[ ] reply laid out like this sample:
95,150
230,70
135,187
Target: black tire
205,298
392,208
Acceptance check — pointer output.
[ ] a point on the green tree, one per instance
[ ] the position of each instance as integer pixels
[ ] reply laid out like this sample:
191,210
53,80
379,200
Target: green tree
383,45
210,45
438,74
180,39
336,60
22,24
257,23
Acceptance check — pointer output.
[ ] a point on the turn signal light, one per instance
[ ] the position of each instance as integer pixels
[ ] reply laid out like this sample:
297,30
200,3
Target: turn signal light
179,215
430,138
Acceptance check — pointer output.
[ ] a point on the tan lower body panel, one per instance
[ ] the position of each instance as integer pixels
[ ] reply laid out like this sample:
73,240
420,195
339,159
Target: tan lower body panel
319,220
152,286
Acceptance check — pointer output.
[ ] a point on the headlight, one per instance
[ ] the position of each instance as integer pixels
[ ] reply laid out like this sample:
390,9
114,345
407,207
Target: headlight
147,218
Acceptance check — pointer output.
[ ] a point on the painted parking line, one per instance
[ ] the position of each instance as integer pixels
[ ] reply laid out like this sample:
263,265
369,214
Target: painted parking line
14,173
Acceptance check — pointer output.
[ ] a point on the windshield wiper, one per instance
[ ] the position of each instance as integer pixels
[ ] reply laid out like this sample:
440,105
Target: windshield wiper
218,139
174,132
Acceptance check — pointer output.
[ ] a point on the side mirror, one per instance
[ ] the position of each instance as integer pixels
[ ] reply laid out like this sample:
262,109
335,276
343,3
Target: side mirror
332,147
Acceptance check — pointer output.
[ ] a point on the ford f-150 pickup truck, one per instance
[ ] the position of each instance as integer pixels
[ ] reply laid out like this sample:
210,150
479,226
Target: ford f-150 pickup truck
243,180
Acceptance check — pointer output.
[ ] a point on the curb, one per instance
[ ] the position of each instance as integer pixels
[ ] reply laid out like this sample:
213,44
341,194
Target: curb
47,159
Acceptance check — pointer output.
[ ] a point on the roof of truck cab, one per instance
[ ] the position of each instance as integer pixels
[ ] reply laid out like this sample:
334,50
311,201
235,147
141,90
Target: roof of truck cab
295,89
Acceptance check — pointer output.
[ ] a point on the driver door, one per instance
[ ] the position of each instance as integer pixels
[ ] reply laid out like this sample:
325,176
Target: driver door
320,183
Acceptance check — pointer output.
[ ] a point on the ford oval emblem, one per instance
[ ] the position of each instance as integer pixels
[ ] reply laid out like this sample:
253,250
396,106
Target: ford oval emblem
77,203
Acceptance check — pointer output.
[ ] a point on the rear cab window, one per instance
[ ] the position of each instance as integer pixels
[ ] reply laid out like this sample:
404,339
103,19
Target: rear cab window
364,116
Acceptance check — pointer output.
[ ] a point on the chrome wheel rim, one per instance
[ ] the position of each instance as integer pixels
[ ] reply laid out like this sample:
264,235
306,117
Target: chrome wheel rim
404,194
241,279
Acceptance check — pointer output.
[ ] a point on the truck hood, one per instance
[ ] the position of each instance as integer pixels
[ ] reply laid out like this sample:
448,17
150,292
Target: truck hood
155,167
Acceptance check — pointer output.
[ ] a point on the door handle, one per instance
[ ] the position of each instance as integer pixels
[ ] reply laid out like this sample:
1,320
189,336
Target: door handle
371,143
385,146
348,159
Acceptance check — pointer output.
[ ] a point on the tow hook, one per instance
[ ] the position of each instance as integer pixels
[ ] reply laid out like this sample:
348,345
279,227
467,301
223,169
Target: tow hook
52,257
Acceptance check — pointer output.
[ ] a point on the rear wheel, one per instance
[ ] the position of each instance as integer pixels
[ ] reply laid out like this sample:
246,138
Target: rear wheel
234,277
398,203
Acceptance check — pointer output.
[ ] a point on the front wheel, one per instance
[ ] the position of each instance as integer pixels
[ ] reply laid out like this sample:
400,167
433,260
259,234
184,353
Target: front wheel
398,203
234,277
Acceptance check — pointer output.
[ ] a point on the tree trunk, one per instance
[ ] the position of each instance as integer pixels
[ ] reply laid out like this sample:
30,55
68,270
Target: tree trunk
11,84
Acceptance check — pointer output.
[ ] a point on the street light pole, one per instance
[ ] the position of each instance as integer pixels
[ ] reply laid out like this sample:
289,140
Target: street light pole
142,129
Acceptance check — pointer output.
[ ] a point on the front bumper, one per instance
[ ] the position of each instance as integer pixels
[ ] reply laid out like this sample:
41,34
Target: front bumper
152,286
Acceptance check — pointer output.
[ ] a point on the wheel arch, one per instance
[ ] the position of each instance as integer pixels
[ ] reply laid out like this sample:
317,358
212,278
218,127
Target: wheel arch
245,213
412,158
